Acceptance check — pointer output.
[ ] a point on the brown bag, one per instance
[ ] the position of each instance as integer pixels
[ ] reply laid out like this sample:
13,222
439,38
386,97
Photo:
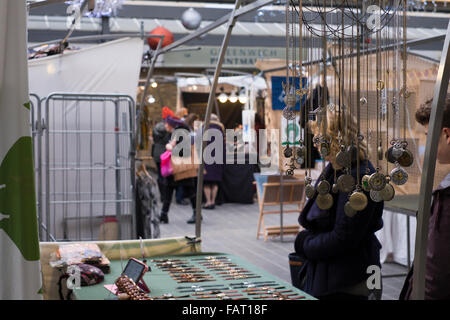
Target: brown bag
184,168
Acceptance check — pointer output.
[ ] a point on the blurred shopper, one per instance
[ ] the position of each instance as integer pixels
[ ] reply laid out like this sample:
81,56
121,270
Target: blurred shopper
337,248
437,270
214,171
188,184
160,137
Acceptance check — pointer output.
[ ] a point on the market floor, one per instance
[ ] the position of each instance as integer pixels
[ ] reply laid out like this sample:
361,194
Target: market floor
231,228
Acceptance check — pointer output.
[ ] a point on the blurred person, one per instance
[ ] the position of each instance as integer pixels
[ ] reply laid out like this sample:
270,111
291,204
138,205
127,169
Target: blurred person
182,113
214,171
437,270
160,138
188,184
337,249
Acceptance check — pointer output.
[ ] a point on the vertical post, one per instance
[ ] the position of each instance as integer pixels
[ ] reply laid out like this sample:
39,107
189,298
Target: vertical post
117,167
429,165
212,97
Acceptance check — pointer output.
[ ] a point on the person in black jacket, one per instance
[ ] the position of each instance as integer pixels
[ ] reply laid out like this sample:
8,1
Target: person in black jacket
160,138
338,249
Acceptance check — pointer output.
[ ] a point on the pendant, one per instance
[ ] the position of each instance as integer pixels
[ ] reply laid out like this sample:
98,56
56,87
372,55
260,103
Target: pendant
310,191
388,192
300,160
323,187
290,100
349,211
335,188
287,152
358,201
325,149
324,201
399,176
380,153
346,183
377,181
288,113
406,159
376,196
343,159
365,183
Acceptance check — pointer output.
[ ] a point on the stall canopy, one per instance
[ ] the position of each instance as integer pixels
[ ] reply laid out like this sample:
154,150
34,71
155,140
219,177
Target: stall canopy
20,275
239,81
111,67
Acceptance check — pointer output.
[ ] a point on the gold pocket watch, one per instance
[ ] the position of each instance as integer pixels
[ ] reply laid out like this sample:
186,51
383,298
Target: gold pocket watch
343,158
349,211
365,183
324,201
358,201
388,193
346,183
323,187
406,159
310,191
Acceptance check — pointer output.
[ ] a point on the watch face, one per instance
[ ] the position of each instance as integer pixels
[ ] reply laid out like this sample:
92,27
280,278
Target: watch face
323,187
310,191
388,192
324,149
349,211
358,201
346,183
324,201
376,196
377,181
406,159
399,176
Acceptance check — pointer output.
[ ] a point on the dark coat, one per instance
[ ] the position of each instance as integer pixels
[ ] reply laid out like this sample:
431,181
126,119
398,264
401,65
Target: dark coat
437,274
160,137
214,172
338,248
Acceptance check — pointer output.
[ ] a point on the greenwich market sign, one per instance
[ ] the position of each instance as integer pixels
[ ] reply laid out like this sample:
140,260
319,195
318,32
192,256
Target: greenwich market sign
236,57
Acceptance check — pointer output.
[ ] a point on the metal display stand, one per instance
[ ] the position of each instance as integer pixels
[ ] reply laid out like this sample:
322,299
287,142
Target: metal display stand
429,166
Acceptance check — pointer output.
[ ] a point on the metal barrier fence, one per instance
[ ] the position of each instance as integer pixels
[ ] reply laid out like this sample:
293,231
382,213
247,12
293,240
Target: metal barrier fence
84,164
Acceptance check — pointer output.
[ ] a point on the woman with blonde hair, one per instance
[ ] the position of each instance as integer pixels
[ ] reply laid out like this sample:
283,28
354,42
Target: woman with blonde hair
339,243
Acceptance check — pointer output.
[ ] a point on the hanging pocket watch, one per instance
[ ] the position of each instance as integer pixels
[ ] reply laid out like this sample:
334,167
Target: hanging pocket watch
377,181
324,149
324,201
287,152
406,159
300,160
388,192
343,158
288,113
323,187
376,196
349,211
399,176
346,183
301,151
310,191
358,201
365,182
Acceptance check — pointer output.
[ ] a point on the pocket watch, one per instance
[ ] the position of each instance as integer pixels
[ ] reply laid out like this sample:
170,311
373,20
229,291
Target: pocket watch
399,176
376,196
380,152
365,182
346,183
301,151
377,181
389,155
310,191
323,187
343,158
300,160
288,113
287,152
324,201
349,211
388,192
406,159
358,201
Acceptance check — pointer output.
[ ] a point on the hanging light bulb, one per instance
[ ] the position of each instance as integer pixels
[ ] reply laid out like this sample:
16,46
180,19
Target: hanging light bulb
223,97
243,97
151,99
233,98
154,84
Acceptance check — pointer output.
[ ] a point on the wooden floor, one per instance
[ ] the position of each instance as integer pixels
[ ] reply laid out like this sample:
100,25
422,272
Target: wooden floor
231,228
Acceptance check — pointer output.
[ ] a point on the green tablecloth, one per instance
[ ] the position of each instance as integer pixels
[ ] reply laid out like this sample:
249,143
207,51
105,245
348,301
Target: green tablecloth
160,282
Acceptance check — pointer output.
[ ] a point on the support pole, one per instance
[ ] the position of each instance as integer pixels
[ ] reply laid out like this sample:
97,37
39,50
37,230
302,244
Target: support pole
434,132
212,97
